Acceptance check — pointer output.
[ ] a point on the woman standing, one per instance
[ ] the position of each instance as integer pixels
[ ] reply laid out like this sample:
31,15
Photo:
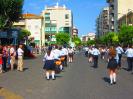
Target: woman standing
70,54
49,65
112,65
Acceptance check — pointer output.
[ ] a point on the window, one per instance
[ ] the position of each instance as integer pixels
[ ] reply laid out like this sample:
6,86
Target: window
67,16
66,23
47,14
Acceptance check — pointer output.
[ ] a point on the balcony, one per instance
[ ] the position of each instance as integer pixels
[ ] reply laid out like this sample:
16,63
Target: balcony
109,1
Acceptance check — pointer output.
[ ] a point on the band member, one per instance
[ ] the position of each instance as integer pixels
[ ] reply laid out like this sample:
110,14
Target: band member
49,65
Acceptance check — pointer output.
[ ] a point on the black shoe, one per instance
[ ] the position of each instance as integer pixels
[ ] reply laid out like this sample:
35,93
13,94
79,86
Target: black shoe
111,83
47,79
128,69
114,83
53,79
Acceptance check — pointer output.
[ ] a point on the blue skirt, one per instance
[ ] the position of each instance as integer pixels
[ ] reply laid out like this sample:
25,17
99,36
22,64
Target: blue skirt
49,65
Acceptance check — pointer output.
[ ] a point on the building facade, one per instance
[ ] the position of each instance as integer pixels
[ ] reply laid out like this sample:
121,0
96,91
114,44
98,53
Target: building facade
74,32
102,22
57,19
32,23
118,8
89,36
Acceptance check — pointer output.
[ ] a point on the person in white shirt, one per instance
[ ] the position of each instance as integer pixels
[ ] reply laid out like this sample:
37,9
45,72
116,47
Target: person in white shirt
56,52
20,58
70,54
86,51
90,54
103,51
95,53
49,65
120,51
13,55
129,54
65,51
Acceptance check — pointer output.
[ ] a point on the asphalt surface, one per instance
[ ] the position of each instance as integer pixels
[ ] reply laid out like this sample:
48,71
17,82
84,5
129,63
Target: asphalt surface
79,81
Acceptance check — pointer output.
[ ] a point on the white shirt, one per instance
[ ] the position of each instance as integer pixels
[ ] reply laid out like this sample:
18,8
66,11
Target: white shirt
95,51
20,52
70,50
129,52
12,51
86,48
119,50
56,53
90,51
65,51
50,57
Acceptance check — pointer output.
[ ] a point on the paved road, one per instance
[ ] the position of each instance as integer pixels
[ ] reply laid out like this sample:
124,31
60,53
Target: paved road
78,81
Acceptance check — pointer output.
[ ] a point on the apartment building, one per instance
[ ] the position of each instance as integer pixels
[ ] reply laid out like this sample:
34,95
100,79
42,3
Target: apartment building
32,23
57,19
118,8
102,22
126,19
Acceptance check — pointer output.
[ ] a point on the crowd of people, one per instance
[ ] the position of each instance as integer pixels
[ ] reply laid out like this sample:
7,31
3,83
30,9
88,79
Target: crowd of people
8,55
55,59
113,55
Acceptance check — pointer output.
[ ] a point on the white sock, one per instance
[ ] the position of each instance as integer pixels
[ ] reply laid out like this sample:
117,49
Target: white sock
53,75
69,60
111,79
61,67
114,77
47,75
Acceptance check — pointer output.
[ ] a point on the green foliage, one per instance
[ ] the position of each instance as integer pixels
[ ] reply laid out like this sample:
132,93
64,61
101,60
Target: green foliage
84,43
62,38
76,40
24,33
109,38
10,11
91,42
126,34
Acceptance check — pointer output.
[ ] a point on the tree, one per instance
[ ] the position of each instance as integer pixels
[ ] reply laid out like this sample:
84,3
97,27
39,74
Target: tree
62,38
91,42
10,11
76,40
126,34
23,35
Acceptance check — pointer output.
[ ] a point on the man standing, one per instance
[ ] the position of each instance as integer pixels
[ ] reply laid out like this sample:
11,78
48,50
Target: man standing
20,58
95,53
129,53
119,52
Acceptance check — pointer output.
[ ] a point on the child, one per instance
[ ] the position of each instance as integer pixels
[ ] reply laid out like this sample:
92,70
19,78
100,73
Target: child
0,63
112,66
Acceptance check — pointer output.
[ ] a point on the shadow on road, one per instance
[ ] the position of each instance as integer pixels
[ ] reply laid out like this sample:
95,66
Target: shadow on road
106,79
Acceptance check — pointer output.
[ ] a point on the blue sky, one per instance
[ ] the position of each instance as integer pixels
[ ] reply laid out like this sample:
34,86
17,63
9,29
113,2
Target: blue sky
84,12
